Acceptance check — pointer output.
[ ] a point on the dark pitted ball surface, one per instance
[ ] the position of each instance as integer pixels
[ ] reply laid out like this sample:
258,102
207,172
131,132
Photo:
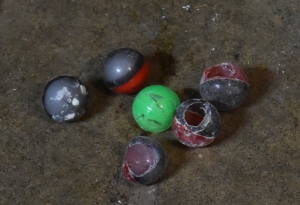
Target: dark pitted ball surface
65,98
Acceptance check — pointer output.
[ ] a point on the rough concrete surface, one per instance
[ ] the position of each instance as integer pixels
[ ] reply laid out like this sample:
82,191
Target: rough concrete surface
255,159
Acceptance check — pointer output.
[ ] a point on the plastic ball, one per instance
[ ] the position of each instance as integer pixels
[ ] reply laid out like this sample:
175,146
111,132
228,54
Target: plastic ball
224,85
65,98
196,123
125,71
144,161
154,107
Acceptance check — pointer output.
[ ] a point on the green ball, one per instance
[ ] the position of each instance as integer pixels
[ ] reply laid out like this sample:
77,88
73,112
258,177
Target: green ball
154,107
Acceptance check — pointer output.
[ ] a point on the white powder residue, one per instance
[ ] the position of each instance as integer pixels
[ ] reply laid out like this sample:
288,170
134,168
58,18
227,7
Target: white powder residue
187,7
212,50
215,21
83,90
75,102
55,117
70,116
62,93
151,190
77,84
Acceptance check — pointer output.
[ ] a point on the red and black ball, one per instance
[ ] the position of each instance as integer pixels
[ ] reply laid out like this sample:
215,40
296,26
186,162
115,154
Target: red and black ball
224,85
196,123
125,71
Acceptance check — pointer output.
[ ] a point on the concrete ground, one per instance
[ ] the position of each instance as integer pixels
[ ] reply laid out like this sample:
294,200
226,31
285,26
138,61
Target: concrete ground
255,159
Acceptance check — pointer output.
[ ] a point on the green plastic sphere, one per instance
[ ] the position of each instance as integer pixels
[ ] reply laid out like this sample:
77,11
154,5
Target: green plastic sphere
154,107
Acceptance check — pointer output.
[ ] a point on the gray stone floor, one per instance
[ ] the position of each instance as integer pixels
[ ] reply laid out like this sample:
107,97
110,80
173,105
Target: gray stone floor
255,159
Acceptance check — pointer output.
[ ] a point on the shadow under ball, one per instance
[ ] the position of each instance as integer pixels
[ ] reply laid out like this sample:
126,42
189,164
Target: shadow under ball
65,98
224,85
125,71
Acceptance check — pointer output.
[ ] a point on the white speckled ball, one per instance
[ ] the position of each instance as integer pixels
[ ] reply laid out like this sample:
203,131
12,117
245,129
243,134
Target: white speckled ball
65,98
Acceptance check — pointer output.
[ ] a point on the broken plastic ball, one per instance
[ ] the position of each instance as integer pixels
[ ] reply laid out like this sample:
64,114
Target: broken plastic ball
144,161
196,123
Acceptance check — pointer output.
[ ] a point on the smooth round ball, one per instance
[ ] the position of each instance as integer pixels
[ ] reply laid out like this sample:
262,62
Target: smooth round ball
65,98
125,71
196,123
224,85
153,108
144,161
